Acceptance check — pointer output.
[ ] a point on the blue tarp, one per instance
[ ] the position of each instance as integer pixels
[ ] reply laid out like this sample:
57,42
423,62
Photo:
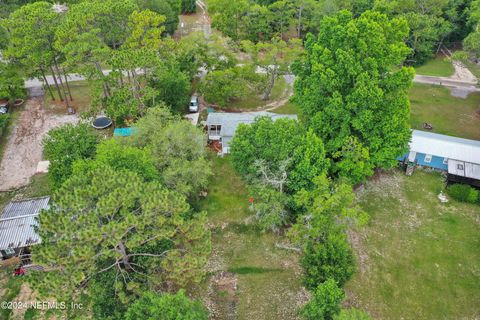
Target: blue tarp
124,132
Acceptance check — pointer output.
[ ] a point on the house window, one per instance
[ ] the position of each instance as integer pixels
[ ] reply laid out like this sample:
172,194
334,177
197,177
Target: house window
445,160
215,129
460,167
428,158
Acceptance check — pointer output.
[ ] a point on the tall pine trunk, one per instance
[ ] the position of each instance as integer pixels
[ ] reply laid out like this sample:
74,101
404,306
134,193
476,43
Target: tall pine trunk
47,84
56,84
68,86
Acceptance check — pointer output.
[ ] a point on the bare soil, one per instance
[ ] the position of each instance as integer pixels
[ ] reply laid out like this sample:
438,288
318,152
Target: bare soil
462,73
24,147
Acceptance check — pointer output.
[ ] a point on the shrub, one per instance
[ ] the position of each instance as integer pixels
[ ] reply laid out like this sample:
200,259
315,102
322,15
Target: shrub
332,258
166,307
325,303
189,6
3,122
63,146
463,193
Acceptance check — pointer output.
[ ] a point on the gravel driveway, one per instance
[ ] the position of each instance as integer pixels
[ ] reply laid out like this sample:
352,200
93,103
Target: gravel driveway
24,147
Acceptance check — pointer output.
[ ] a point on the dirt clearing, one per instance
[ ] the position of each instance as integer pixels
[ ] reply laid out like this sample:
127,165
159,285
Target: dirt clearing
24,146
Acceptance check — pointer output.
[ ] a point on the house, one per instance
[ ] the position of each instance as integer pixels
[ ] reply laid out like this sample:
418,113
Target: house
17,225
460,158
221,126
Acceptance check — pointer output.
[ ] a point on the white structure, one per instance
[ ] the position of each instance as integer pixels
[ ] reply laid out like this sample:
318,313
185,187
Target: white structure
17,225
459,157
221,126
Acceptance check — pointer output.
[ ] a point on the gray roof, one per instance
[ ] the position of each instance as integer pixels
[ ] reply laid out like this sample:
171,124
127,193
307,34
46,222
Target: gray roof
445,146
230,121
18,220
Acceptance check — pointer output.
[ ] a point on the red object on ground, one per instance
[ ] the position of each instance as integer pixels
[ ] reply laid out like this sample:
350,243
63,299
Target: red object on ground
250,200
20,271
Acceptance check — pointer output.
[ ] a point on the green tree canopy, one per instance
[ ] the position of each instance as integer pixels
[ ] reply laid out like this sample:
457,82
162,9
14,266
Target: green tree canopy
105,219
327,210
178,149
352,92
63,146
166,307
12,85
275,142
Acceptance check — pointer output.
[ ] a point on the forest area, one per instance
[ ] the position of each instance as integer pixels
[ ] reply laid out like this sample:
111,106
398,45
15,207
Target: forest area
157,226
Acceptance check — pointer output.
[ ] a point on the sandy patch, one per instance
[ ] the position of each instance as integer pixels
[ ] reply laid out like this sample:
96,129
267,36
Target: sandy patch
24,147
462,73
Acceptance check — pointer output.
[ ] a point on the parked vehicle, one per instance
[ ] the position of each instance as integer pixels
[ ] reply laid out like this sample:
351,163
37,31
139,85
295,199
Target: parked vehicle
3,107
193,107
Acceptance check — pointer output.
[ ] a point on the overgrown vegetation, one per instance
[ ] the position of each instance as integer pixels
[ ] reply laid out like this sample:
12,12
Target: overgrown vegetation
410,229
464,193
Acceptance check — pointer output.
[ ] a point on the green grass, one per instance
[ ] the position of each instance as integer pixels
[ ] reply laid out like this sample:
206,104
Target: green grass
81,94
15,113
30,314
440,67
12,289
419,256
288,108
474,68
253,101
448,115
268,278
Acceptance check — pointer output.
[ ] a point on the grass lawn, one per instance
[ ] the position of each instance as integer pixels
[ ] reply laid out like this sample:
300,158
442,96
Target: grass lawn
81,94
10,288
267,278
440,67
15,113
448,115
288,108
253,101
420,257
474,68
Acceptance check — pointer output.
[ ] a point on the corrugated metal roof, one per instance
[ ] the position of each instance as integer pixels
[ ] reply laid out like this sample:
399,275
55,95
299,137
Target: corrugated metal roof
230,121
445,146
17,222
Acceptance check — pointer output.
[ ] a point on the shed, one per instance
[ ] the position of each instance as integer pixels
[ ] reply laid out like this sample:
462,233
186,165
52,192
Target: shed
17,225
221,126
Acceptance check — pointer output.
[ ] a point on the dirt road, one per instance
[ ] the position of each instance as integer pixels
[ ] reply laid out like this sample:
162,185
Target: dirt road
24,147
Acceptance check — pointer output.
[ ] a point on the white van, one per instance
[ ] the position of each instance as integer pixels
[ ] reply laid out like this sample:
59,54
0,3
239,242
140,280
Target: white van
193,107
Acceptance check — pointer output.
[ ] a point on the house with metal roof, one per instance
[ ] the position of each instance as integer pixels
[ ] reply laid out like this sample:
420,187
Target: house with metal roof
457,156
221,126
17,225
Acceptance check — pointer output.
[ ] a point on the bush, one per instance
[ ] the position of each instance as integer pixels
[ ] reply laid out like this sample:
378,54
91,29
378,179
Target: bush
63,146
166,307
463,193
332,258
189,6
325,303
3,122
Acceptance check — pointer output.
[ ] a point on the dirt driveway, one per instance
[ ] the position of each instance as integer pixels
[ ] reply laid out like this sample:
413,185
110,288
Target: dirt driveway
24,147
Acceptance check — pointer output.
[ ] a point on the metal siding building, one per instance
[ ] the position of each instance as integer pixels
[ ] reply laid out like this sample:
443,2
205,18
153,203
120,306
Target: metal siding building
18,221
457,156
221,126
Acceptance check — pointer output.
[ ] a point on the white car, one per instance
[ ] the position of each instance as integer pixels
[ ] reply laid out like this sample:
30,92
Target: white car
3,108
193,107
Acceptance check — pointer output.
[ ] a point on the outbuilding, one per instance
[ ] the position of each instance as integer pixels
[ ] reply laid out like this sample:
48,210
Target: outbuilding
17,225
221,126
459,157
